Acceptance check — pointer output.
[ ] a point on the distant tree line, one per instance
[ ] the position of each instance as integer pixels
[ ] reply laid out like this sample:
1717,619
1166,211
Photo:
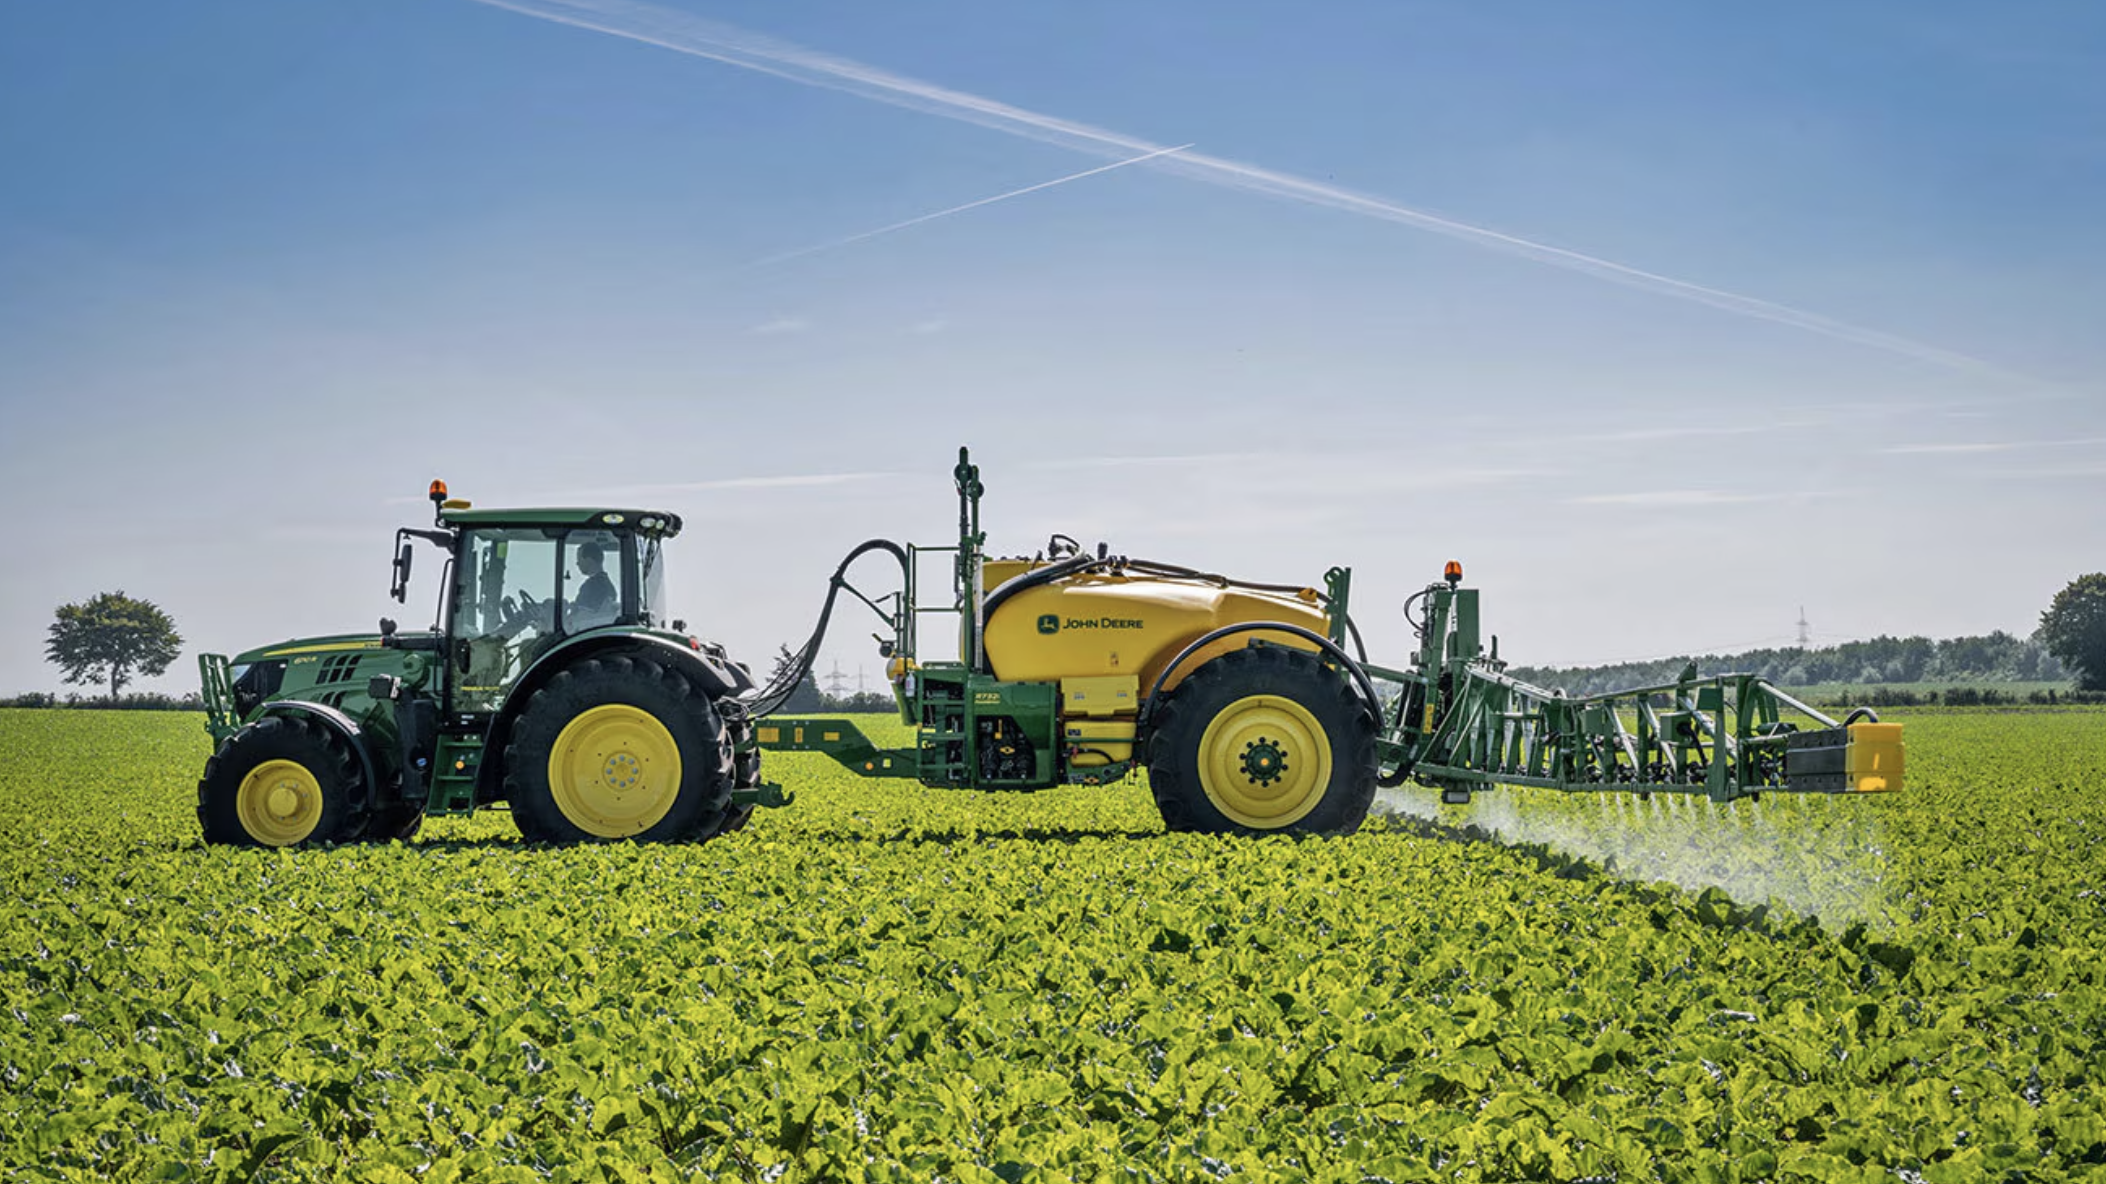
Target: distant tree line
1906,695
144,701
1997,657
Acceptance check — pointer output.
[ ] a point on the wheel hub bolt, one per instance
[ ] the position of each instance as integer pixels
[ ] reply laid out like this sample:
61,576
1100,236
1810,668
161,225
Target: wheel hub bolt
621,771
1263,762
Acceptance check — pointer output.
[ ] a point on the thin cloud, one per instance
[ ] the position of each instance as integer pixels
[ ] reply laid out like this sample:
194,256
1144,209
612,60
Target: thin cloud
928,327
1330,471
831,244
1667,499
2003,446
1643,435
1934,449
2067,473
724,484
1121,462
605,493
732,46
1659,434
780,326
331,535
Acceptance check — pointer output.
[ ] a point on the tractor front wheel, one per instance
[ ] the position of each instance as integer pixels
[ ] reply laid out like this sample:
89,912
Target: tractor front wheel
1261,740
279,782
618,748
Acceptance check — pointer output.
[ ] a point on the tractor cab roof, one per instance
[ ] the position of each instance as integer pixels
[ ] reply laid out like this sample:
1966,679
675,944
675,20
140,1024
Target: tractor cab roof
649,523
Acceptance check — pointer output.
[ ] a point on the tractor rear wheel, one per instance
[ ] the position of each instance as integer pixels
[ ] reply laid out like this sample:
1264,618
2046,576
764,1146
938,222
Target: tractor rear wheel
1261,740
618,748
745,767
279,782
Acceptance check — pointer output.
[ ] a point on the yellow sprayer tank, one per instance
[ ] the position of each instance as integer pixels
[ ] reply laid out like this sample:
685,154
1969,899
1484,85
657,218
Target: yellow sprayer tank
1106,625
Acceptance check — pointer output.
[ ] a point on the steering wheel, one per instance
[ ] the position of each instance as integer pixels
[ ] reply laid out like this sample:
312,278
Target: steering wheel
520,613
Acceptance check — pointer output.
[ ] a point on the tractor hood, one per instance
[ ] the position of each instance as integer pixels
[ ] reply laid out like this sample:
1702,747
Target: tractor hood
299,647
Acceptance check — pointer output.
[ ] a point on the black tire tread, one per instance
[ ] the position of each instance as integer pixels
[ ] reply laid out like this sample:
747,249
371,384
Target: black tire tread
1262,669
278,737
620,678
746,773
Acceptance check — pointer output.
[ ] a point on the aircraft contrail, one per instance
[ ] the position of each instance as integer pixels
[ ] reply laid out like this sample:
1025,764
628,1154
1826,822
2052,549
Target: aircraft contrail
830,244
682,33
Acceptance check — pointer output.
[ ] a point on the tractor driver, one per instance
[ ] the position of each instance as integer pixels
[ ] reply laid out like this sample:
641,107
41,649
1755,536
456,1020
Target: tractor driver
597,603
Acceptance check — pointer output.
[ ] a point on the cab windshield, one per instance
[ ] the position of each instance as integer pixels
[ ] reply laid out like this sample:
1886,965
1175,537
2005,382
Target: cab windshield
518,591
504,599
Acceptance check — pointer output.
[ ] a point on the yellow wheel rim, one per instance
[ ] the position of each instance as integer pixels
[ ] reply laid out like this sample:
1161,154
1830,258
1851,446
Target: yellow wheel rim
1265,762
279,803
614,771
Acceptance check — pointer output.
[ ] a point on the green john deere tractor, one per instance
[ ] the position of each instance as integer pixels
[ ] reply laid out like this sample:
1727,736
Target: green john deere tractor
552,681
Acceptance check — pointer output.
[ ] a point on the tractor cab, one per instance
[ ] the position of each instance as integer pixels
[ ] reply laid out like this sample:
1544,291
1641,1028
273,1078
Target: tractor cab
524,581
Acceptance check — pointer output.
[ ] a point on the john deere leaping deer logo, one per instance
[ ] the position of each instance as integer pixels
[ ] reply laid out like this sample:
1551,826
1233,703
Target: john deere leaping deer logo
1050,623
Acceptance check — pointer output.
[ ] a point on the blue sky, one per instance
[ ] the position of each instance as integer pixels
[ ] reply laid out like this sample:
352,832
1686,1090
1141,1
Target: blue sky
265,269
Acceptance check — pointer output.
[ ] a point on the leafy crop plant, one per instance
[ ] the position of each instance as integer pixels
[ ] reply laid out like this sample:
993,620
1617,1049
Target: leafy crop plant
910,984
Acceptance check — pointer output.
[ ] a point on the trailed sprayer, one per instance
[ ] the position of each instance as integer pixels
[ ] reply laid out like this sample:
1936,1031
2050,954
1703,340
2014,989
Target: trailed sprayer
553,683
1253,707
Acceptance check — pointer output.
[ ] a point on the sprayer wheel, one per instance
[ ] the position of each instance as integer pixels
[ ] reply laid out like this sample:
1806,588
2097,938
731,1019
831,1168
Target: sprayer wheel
1263,740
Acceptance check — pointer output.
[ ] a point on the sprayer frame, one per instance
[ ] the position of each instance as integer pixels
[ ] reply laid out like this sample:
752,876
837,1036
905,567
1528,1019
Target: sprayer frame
1454,721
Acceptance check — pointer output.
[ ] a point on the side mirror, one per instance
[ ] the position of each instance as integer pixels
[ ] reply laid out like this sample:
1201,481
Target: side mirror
402,572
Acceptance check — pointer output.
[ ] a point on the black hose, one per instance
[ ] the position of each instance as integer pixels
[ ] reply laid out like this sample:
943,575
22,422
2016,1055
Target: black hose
769,699
1081,563
1870,716
1171,569
1418,627
1029,580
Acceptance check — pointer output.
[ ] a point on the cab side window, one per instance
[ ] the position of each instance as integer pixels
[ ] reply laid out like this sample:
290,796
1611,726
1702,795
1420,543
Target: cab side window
592,575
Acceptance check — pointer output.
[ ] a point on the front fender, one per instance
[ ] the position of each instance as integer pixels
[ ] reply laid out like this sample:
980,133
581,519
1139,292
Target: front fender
336,721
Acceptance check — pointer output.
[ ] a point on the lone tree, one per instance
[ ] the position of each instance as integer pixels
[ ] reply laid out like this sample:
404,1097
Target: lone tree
107,638
2074,629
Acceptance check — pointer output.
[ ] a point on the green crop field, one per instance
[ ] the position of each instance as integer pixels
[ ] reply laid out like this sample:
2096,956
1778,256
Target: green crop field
891,983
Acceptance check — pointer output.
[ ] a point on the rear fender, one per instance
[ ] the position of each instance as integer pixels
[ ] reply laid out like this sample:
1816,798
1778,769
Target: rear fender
718,677
344,726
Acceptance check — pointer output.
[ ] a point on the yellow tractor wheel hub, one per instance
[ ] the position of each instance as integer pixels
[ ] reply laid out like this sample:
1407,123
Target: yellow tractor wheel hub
279,803
614,771
1265,762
